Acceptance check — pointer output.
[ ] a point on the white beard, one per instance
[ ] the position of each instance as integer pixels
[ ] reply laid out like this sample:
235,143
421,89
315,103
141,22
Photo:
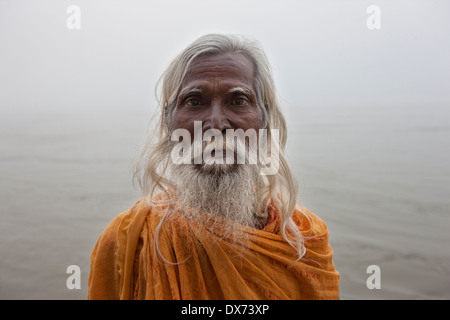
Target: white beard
231,191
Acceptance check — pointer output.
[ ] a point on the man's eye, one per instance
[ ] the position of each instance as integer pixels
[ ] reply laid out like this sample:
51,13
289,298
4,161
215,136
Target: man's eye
192,102
240,101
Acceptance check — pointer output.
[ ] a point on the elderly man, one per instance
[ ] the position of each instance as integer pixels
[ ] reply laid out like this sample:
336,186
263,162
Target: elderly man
209,226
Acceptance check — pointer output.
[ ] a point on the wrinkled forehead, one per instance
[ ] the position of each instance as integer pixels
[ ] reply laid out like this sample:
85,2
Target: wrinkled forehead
226,67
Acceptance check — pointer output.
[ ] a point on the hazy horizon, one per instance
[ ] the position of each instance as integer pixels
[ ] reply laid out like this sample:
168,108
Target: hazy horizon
368,116
322,54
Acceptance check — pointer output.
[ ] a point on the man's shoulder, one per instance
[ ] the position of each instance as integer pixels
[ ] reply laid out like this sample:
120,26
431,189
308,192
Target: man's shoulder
110,251
123,220
309,223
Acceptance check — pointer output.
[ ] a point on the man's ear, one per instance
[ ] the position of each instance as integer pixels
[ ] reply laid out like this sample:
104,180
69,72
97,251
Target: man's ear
263,116
168,111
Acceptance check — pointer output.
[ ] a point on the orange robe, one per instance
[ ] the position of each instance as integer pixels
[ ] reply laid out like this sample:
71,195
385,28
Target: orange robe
124,264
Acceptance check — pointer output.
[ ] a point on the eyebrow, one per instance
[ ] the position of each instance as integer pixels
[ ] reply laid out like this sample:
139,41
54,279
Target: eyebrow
243,90
187,91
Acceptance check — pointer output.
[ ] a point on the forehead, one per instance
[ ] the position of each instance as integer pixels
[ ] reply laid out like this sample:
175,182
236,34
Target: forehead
233,68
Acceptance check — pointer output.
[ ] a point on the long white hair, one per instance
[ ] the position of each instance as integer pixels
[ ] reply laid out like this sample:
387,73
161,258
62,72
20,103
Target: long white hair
152,165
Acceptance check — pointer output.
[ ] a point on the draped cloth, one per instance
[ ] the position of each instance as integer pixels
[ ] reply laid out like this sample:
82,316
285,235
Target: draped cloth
197,260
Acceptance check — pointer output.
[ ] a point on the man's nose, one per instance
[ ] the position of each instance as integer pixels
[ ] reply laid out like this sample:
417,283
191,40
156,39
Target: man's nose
217,118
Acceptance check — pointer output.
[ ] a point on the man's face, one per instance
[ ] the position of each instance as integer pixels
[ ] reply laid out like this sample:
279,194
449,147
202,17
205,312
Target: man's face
219,91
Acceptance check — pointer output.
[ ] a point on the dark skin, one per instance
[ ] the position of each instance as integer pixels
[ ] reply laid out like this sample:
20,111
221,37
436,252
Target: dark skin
219,91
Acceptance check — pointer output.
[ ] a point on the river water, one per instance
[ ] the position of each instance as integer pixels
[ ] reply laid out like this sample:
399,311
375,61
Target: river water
378,176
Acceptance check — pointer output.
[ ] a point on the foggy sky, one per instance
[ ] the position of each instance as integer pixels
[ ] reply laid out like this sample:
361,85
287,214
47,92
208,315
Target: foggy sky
321,52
